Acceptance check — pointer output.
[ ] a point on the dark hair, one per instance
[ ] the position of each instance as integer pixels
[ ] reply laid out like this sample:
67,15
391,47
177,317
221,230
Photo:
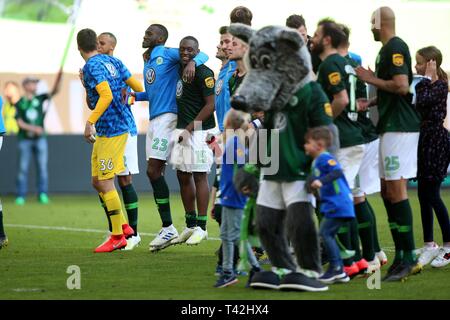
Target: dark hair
332,29
190,38
320,133
433,53
242,15
346,30
87,40
224,30
110,35
295,21
163,30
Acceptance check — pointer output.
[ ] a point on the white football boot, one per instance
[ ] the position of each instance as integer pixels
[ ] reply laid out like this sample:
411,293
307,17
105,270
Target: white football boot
162,240
184,236
133,242
428,254
442,259
197,236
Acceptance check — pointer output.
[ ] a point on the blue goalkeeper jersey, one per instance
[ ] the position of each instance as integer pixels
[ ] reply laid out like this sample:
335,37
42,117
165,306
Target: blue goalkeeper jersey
2,125
222,90
160,79
117,118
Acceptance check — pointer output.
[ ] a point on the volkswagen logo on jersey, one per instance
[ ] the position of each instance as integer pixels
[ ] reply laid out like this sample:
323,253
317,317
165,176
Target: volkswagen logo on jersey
279,121
179,88
219,86
150,76
112,70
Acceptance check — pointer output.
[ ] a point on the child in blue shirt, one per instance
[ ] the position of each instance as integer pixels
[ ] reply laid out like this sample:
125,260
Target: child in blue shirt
232,200
336,199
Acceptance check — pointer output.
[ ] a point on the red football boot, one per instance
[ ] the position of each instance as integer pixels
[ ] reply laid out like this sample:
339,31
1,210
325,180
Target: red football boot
113,243
352,270
127,231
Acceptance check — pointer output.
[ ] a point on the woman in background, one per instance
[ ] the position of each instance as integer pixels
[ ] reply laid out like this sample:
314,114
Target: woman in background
433,153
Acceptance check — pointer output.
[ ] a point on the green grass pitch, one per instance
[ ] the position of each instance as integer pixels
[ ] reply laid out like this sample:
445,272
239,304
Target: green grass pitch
34,265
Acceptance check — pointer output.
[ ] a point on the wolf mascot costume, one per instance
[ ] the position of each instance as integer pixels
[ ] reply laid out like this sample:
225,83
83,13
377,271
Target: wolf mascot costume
278,82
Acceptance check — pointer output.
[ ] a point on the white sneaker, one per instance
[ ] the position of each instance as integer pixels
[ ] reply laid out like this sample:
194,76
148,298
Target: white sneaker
428,254
442,259
163,238
382,257
133,242
197,236
184,236
373,265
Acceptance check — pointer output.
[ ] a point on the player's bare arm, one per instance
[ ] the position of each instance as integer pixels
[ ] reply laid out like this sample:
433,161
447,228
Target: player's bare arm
340,101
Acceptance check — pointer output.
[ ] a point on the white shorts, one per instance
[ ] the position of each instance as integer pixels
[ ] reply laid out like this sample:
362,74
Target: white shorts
398,155
131,157
280,195
368,178
193,155
350,159
158,136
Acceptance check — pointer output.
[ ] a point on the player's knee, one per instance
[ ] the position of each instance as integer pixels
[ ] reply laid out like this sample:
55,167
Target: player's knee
153,173
95,183
124,180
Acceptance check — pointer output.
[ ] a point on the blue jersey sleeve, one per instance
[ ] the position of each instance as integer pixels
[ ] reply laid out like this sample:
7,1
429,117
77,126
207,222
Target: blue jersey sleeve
141,96
201,58
172,54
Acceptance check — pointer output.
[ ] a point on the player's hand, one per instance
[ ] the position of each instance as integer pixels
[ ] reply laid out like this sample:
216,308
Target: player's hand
430,70
89,132
366,75
189,72
258,115
316,184
38,130
184,136
362,104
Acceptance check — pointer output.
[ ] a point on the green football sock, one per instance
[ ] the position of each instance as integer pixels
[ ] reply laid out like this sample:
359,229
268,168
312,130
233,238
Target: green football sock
405,229
201,222
376,243
191,219
130,200
365,230
106,212
2,231
161,194
393,226
344,237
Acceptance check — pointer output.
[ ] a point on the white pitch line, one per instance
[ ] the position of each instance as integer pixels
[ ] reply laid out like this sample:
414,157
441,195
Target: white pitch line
27,226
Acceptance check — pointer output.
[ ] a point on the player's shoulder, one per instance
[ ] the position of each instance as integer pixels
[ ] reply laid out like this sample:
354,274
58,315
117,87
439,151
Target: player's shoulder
397,43
204,71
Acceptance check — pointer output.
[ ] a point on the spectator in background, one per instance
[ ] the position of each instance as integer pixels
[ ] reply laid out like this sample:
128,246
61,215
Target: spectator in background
3,238
32,138
433,155
241,15
11,94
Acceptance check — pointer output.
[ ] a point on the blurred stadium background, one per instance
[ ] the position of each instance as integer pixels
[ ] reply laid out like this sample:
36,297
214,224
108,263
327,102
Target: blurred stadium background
35,32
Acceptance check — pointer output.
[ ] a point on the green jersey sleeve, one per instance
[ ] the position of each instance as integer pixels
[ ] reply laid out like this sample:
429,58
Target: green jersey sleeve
206,81
331,78
320,113
397,55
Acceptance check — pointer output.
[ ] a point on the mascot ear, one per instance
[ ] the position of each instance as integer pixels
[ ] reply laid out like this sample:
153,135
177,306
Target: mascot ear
292,37
241,31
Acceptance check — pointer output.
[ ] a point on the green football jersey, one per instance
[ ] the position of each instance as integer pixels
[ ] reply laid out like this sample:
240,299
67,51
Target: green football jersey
369,131
336,74
309,107
191,97
31,112
396,113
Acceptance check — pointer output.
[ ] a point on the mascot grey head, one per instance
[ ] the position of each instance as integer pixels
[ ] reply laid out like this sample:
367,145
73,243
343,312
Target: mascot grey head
278,63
